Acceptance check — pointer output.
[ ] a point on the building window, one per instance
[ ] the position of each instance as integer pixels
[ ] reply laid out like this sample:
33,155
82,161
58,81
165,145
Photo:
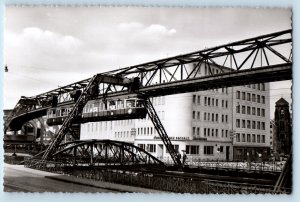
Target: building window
198,115
217,132
243,95
222,118
198,131
151,148
258,138
258,125
248,110
248,138
205,100
217,117
204,132
226,117
204,116
243,124
208,101
263,138
238,137
253,138
263,127
194,131
208,150
248,97
213,102
238,109
192,149
263,112
253,111
212,132
194,114
258,111
258,98
253,125
198,99
258,86
226,104
226,133
223,103
212,117
243,110
238,123
253,97
263,87
217,102
142,146
208,116
263,99
243,137
248,124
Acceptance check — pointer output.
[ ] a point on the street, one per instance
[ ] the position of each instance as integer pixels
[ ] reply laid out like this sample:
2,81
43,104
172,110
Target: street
20,179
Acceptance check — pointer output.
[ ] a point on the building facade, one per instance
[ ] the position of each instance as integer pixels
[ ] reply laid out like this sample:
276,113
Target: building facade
219,124
283,136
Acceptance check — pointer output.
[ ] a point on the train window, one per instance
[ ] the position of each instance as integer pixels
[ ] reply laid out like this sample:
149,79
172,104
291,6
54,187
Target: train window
138,103
58,112
112,105
120,104
130,103
95,107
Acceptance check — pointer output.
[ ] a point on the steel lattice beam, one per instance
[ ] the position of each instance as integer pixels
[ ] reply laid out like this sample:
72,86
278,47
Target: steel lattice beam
232,57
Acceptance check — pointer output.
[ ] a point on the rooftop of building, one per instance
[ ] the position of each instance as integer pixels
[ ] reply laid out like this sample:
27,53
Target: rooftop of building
282,102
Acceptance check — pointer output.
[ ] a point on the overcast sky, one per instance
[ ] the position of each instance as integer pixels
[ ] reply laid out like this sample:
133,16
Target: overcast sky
47,47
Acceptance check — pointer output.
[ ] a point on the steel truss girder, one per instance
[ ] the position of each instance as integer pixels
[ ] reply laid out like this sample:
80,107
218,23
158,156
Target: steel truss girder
177,74
103,153
28,105
178,69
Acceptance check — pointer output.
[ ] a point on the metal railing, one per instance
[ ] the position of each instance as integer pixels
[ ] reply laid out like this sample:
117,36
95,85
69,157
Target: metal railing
163,182
264,166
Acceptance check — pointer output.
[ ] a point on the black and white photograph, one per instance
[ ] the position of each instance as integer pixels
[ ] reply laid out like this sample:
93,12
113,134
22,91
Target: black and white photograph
147,100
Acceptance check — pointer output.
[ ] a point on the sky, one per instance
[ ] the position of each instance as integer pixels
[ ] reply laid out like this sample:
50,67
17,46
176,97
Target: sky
48,47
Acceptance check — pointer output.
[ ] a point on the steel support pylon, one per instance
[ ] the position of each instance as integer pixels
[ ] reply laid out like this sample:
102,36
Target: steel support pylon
162,133
66,126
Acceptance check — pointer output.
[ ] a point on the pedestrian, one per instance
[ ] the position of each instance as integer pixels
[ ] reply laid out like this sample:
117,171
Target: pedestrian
184,159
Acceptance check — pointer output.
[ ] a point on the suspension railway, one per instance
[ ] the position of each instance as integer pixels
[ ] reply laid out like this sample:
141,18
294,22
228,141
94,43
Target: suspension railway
124,94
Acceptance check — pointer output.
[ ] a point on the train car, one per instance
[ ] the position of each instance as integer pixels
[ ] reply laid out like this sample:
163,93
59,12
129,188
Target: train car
57,115
129,107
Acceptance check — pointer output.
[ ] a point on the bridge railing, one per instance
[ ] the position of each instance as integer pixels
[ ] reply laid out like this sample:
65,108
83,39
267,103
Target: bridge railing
163,182
266,166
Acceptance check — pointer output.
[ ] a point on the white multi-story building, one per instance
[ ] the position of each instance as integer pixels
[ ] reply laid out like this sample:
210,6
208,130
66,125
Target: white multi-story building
220,124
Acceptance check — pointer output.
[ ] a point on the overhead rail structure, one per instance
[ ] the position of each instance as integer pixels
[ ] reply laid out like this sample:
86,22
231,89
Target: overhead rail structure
265,58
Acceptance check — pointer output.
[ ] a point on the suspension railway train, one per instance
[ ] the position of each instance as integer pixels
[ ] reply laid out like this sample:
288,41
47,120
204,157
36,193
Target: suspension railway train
129,107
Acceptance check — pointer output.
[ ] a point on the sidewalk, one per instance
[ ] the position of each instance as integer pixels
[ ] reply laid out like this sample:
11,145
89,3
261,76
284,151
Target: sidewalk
101,184
79,181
